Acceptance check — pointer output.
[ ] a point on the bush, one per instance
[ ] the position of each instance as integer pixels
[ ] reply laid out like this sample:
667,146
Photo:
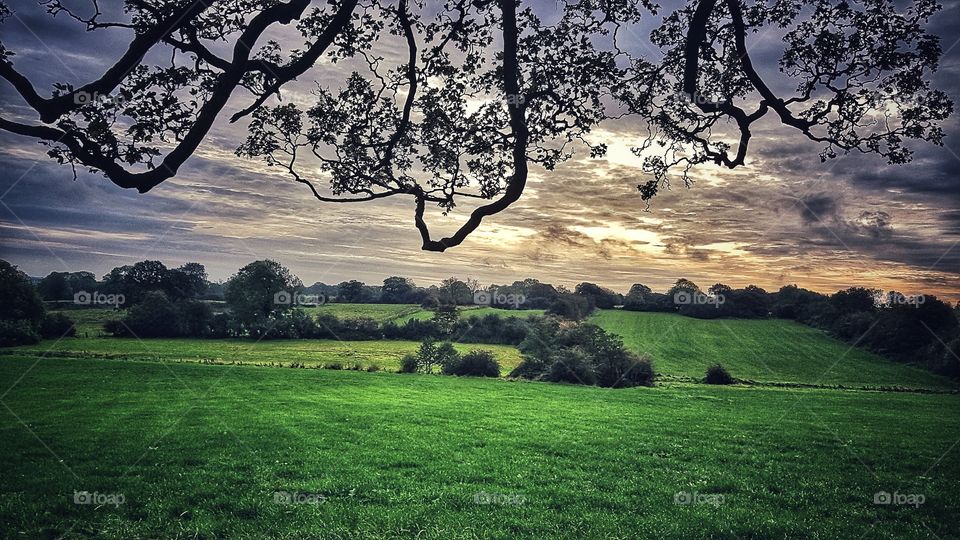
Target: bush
409,363
220,326
154,316
571,306
474,364
195,318
572,365
529,368
716,374
622,369
56,326
333,365
14,333
430,354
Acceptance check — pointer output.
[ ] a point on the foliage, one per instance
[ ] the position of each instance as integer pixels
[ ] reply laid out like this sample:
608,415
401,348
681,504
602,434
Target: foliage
17,332
480,92
56,326
409,363
716,374
580,353
571,306
18,298
475,364
258,290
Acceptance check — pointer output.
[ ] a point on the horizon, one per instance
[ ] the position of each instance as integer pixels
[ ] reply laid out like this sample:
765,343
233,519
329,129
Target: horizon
657,286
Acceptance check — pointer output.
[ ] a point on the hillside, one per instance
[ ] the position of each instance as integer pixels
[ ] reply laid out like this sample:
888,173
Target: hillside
772,350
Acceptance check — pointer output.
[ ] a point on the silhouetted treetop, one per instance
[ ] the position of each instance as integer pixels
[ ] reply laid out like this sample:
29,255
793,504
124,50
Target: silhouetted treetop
479,90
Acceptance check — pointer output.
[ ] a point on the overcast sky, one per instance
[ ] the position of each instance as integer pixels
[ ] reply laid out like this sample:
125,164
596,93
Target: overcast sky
783,218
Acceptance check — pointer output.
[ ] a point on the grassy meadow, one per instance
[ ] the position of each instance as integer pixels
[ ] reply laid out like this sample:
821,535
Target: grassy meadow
763,351
188,438
773,350
206,451
383,354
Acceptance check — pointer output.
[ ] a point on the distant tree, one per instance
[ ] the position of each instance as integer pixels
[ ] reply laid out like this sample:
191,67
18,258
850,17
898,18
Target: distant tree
749,302
457,292
720,289
600,297
350,292
571,306
433,354
854,300
445,317
683,285
143,277
636,297
55,287
252,292
187,281
396,290
19,300
116,281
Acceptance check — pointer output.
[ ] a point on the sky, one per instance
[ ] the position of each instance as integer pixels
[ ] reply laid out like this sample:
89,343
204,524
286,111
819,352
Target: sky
783,218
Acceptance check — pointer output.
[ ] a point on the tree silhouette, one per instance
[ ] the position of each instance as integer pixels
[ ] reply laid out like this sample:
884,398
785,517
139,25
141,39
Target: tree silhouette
484,90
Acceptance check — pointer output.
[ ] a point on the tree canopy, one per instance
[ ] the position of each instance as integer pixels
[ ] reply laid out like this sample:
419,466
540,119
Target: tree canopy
483,90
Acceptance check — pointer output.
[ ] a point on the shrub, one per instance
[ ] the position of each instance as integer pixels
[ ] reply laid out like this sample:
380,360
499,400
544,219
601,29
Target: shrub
14,333
571,306
409,363
154,316
716,374
474,363
572,365
195,318
445,355
57,325
529,368
333,365
430,354
622,369
373,368
220,326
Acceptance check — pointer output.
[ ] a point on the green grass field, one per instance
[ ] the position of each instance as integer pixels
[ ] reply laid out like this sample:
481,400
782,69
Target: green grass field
200,451
767,351
760,350
312,352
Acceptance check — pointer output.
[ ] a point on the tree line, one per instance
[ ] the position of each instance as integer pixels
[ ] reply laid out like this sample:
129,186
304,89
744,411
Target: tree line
264,300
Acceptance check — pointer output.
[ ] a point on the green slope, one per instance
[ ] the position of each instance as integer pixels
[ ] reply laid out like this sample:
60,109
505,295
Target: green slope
761,350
